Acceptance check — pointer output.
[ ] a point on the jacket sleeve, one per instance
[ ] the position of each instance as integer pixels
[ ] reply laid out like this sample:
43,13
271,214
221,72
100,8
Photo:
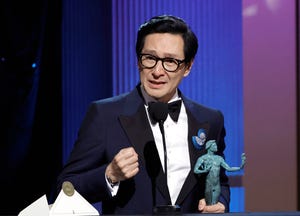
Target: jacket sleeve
85,168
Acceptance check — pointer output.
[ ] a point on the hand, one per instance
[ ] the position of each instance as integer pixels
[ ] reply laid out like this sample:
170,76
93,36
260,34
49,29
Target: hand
243,157
124,165
216,208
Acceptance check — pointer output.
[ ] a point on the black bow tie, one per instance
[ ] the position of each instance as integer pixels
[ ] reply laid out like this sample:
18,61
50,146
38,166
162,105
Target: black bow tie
173,110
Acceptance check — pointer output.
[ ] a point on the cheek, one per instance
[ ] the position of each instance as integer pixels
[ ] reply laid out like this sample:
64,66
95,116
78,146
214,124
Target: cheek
177,79
143,76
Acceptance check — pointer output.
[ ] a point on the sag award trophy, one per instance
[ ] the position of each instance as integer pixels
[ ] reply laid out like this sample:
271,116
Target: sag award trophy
210,163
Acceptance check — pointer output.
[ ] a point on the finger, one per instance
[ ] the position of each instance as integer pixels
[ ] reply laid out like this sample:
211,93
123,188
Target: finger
130,169
132,172
216,208
124,157
201,204
127,154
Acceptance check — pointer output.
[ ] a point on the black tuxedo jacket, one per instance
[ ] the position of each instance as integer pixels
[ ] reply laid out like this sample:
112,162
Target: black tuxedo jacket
119,122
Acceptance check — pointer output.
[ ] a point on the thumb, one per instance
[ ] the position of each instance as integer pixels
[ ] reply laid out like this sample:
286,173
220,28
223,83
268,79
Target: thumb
201,204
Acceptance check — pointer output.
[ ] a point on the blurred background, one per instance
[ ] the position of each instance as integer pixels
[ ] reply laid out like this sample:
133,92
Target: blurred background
58,56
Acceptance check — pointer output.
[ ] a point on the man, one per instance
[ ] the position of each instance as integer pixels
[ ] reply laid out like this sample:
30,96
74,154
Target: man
128,161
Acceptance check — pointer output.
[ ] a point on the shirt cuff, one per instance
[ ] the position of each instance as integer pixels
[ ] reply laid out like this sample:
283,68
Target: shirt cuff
113,187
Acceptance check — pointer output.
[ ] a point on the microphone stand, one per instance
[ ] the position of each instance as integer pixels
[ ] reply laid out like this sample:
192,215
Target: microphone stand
161,127
159,113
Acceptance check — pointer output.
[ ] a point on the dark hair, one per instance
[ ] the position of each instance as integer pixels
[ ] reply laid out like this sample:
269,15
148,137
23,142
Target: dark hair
168,24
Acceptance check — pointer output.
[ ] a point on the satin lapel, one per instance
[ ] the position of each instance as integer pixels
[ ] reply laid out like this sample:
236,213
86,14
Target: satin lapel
140,136
138,130
191,180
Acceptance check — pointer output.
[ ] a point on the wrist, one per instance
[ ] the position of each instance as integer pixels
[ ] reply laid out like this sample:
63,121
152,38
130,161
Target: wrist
109,177
111,182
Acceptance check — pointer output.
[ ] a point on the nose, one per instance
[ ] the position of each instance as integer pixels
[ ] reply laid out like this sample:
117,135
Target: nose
159,69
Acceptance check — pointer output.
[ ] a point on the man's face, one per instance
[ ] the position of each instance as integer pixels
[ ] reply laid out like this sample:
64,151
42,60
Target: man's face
156,81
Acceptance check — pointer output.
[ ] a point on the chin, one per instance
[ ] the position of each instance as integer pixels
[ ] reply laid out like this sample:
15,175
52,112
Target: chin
157,93
156,96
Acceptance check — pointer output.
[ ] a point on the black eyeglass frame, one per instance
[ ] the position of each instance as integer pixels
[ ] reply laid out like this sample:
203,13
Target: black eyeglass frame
177,61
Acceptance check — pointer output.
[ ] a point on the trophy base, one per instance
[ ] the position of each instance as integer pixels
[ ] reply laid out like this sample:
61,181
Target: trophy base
166,209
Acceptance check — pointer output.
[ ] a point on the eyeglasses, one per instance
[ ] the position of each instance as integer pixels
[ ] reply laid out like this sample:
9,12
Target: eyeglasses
169,64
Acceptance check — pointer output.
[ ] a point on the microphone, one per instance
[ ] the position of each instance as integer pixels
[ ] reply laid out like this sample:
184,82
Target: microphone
158,112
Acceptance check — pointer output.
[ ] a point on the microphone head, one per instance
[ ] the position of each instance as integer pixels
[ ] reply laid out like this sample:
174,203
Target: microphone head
158,111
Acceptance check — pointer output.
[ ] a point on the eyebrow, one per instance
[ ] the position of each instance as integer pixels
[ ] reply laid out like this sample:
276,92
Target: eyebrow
167,55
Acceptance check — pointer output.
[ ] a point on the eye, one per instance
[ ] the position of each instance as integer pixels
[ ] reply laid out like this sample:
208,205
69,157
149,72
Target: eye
149,57
170,61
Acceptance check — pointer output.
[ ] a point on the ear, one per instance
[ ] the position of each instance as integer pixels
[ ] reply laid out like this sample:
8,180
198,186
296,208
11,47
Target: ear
188,68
